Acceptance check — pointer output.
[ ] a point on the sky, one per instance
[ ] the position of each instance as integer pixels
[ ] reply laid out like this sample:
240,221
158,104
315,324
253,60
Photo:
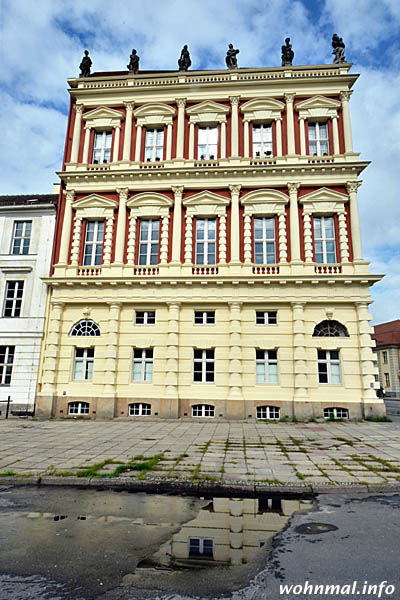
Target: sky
42,44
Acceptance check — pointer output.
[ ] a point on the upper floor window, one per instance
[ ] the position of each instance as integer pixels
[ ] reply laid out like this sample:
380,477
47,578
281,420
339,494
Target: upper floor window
204,317
145,317
6,364
330,329
328,366
324,240
102,147
94,239
154,146
208,142
83,364
85,327
13,298
318,142
21,237
206,244
264,240
268,317
385,356
149,242
262,140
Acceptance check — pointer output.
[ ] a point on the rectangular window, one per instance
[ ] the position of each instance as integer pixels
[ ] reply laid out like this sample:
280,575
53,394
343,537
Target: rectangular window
387,379
149,242
83,364
145,317
264,240
94,239
204,317
142,364
102,147
318,142
384,356
208,142
154,146
206,241
268,317
200,547
324,240
6,364
266,366
13,298
203,366
262,140
328,366
21,237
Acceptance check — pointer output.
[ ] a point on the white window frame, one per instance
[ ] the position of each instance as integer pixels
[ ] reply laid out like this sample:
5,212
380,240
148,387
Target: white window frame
268,257
266,366
6,365
203,411
203,361
148,316
18,241
78,408
321,141
87,362
325,239
204,317
208,242
210,142
14,298
144,358
266,317
91,246
139,409
272,413
146,243
334,378
154,144
335,411
264,145
201,547
102,147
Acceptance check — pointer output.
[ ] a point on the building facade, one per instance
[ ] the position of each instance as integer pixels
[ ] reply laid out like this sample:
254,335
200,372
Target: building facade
387,352
26,243
207,258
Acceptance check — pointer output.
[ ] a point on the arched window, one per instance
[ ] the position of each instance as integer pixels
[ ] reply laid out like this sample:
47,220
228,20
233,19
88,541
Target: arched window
86,327
330,329
139,409
203,410
268,412
78,408
336,413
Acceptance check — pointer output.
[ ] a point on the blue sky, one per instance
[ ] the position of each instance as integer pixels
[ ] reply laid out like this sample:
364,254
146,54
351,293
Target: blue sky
42,44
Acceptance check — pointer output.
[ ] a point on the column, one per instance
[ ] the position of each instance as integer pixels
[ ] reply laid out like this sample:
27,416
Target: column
121,226
352,187
85,157
234,125
177,225
235,352
366,354
222,239
66,228
164,240
181,102
308,242
343,237
191,140
279,136
116,143
299,352
335,131
50,361
172,354
76,241
188,239
303,150
247,239
131,238
348,142
282,237
110,372
169,141
290,123
235,225
246,135
138,142
223,139
77,133
294,223
126,152
108,240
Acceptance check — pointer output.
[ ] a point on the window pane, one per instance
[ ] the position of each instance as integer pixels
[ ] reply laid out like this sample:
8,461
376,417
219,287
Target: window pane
273,373
78,370
260,373
335,373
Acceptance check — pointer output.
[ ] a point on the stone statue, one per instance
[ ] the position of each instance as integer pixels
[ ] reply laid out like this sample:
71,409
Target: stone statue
133,66
287,54
85,65
338,49
230,59
184,62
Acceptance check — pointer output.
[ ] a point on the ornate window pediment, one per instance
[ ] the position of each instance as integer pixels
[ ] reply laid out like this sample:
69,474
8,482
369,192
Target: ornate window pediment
103,118
262,110
318,107
154,115
149,204
207,112
264,202
323,201
206,204
95,207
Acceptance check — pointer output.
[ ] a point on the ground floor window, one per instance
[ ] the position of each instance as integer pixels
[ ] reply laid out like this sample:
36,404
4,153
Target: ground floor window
83,364
336,413
203,410
203,365
328,366
266,366
78,408
200,547
142,364
139,409
268,412
6,364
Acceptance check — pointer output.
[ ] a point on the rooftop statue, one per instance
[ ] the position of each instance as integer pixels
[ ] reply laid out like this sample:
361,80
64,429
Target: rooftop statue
184,62
287,54
85,65
230,59
133,66
338,49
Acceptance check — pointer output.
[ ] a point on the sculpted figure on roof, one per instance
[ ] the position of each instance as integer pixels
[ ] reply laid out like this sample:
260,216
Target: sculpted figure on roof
230,59
85,65
287,54
184,61
133,66
338,49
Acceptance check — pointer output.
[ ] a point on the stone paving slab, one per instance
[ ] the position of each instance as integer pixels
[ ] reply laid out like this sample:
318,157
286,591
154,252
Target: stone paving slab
251,454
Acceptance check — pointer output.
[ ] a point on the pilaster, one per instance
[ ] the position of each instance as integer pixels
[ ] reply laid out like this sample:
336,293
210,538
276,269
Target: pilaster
77,133
121,226
294,223
172,355
177,225
126,152
66,228
290,123
352,187
188,240
299,353
181,102
235,352
234,125
235,243
348,141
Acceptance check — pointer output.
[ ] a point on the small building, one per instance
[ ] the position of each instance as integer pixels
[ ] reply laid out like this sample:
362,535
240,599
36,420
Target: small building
26,241
387,337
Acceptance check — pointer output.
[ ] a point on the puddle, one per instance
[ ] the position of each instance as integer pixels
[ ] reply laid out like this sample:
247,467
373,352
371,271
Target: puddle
92,541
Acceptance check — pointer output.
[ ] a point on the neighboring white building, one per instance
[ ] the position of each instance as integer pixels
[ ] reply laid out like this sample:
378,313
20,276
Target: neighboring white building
26,241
